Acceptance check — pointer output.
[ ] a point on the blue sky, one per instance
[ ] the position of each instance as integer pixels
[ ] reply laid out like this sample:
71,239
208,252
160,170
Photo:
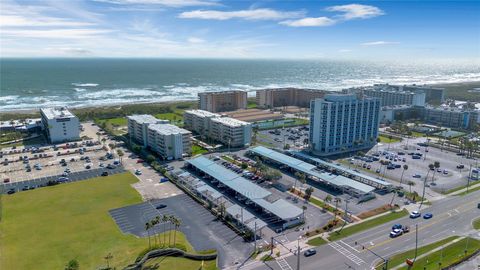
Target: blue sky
390,30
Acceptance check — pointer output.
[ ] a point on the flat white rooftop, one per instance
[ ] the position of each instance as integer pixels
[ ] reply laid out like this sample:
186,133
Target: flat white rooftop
56,112
167,129
231,122
145,119
202,113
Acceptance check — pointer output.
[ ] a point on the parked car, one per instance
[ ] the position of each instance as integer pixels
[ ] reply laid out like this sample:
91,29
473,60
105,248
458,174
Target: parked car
104,173
310,252
397,226
138,172
460,166
417,175
160,206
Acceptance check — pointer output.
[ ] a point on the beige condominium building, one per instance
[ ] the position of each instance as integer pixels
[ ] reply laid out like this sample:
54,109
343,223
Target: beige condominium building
138,125
222,101
226,130
169,141
280,97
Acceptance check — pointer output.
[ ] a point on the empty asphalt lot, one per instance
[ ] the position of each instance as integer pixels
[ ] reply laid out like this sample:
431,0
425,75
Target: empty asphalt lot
202,229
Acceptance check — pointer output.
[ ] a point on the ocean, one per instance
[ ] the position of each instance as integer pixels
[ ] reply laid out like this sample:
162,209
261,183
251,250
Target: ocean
33,83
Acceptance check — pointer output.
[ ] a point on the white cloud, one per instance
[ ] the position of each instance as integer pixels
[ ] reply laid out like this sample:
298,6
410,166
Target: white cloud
167,3
22,21
320,21
54,33
379,43
356,11
250,14
195,40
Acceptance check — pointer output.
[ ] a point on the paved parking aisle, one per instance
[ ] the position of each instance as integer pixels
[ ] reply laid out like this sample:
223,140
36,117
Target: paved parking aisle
201,228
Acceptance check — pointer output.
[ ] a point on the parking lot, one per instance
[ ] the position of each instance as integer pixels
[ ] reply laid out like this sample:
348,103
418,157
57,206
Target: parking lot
43,181
417,158
34,163
295,137
202,229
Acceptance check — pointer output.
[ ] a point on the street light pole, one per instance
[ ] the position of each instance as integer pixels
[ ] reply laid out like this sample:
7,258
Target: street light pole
298,252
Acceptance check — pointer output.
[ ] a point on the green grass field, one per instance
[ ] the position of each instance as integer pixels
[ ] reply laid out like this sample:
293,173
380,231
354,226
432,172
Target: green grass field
385,139
401,257
476,224
197,150
366,225
318,241
47,227
448,256
179,263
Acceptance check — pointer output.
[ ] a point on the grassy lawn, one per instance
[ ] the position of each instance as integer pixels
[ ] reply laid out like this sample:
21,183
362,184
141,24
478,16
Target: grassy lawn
470,190
386,139
401,257
179,263
448,256
197,150
175,117
476,224
31,142
316,241
251,103
47,227
418,134
366,225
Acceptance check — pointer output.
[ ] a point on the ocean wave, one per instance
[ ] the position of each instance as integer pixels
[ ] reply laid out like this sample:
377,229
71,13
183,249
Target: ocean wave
85,84
121,93
9,98
79,89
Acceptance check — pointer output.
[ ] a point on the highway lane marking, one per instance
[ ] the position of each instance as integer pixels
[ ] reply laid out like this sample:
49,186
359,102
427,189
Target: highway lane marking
352,257
283,264
349,246
438,219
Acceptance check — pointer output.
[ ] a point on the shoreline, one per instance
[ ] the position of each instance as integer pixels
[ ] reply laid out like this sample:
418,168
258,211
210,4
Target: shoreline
80,107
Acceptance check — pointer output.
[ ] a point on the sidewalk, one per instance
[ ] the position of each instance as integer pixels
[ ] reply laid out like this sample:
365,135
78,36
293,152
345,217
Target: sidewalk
430,252
464,189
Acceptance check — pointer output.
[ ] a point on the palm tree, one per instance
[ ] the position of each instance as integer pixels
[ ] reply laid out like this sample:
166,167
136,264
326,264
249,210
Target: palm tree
405,167
147,228
177,223
297,176
120,154
430,167
164,220
410,183
436,165
337,200
156,221
170,223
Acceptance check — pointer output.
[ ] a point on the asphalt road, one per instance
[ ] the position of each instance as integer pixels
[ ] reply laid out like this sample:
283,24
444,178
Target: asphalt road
451,216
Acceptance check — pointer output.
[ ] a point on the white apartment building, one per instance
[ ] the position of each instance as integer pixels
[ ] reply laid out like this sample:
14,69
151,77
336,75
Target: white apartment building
60,124
138,126
343,123
198,121
226,130
231,132
169,141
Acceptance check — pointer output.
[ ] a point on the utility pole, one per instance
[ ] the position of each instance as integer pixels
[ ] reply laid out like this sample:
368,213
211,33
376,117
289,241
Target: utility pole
416,242
469,177
255,238
298,252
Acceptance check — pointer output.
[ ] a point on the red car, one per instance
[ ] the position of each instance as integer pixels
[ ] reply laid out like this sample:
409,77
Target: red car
140,161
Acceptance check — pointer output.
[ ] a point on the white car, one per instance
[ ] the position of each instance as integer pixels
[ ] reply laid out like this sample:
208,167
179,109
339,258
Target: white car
396,232
417,175
138,172
415,214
